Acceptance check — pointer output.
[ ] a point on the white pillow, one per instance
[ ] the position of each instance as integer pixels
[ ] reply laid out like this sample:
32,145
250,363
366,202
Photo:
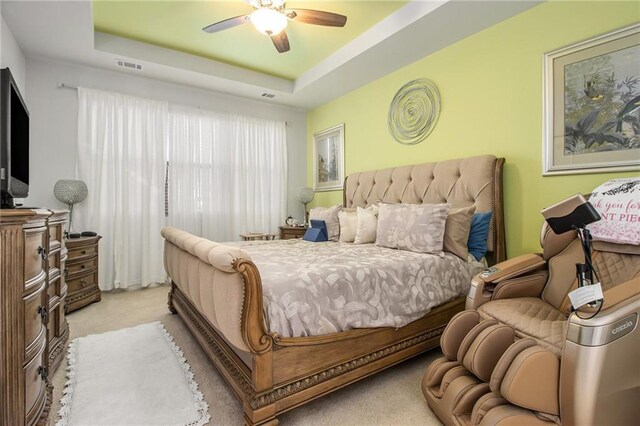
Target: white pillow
348,219
367,225
330,216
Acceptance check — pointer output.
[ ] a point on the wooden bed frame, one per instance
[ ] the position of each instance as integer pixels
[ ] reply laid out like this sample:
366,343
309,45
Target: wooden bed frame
279,374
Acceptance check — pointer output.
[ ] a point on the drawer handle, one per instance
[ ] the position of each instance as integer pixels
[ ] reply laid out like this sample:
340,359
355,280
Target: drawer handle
83,266
83,283
83,252
43,372
43,252
44,314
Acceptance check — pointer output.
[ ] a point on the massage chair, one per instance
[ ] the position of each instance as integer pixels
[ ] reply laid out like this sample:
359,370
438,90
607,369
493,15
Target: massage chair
518,355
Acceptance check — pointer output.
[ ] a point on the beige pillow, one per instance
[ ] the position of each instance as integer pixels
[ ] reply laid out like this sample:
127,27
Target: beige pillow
456,231
412,227
348,219
367,225
330,216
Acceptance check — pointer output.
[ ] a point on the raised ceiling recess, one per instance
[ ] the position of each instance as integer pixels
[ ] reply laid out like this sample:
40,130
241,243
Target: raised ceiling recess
178,25
271,18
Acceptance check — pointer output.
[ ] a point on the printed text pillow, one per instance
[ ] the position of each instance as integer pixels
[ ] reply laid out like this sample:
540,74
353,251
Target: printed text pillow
618,203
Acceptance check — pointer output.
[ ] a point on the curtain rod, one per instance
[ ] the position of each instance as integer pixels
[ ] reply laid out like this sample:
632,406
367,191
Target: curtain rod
68,86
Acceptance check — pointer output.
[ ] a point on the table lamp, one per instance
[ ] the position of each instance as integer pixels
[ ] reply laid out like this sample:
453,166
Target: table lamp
305,196
70,192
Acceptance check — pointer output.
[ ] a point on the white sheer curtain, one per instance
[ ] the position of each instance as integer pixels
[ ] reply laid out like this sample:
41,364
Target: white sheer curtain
121,142
227,174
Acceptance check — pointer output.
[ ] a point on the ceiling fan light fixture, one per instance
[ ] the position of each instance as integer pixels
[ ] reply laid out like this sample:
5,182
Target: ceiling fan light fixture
268,21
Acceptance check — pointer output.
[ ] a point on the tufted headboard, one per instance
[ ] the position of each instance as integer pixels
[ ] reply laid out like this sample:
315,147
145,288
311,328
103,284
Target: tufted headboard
461,183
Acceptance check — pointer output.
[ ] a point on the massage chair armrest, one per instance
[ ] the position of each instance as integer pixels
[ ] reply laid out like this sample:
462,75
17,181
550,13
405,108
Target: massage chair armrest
511,278
617,318
617,296
530,285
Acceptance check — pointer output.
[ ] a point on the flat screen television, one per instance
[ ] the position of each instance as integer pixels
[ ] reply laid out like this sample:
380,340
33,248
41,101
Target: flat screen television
14,141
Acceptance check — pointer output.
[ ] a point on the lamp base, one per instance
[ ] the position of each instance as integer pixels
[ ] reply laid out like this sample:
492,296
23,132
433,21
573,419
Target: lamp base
306,215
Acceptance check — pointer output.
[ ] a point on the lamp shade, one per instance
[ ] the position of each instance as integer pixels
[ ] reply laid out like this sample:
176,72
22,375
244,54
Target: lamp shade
305,195
268,21
70,191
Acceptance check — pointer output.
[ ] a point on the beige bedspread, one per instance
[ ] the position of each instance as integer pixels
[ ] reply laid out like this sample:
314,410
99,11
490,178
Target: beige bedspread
318,288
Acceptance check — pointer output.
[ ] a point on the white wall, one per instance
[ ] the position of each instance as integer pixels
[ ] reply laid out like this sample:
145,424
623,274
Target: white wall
11,56
54,120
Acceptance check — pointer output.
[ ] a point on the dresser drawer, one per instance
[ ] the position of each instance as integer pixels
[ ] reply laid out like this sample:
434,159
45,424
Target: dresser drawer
82,252
35,241
82,282
35,373
56,314
79,267
34,308
54,289
54,259
55,236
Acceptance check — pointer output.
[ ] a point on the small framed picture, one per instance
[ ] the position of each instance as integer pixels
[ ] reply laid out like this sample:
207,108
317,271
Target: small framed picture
592,105
328,159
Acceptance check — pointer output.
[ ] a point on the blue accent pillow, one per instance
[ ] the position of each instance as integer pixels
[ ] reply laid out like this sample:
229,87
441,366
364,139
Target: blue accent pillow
479,234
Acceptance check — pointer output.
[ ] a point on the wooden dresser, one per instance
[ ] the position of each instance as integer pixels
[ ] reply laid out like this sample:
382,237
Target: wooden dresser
31,321
58,328
82,272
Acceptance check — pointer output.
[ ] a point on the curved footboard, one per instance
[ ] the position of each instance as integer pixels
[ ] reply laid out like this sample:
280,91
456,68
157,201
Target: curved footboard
222,283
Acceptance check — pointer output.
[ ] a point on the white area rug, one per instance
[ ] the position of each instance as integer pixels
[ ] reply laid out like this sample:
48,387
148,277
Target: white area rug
134,376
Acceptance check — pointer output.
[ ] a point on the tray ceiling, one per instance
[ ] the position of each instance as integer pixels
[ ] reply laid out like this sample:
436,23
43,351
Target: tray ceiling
177,25
305,77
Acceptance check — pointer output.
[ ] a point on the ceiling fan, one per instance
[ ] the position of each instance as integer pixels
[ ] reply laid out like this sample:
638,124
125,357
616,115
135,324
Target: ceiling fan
271,18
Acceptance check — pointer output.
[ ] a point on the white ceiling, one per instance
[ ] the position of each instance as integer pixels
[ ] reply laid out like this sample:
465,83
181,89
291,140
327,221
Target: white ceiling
64,30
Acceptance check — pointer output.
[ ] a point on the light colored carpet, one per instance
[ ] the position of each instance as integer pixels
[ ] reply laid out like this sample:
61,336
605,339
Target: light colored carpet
392,397
143,379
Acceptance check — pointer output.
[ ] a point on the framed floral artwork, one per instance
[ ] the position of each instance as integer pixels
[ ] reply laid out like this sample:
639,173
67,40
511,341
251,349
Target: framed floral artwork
328,159
592,105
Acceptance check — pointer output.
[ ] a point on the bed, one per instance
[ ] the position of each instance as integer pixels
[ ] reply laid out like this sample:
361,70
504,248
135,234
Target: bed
217,289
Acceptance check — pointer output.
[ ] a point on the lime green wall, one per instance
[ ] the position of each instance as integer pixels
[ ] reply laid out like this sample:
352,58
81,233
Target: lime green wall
491,91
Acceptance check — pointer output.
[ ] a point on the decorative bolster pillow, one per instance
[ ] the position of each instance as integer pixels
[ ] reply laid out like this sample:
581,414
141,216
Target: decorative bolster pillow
330,217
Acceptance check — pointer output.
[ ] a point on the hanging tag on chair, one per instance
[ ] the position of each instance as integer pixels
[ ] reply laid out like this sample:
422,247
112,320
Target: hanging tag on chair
586,294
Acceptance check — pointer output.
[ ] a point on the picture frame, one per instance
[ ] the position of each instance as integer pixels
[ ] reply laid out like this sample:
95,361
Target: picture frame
328,159
591,105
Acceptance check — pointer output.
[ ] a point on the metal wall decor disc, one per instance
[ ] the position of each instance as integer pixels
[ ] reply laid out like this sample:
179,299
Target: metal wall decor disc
414,111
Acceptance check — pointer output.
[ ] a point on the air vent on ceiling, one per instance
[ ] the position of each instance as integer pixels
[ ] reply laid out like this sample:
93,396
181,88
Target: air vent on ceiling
268,95
127,64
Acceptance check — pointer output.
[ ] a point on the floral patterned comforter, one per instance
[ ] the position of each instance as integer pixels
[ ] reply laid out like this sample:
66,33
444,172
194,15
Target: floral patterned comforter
318,288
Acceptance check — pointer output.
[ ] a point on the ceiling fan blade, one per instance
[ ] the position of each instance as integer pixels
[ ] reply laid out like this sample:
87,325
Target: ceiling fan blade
316,17
226,24
281,42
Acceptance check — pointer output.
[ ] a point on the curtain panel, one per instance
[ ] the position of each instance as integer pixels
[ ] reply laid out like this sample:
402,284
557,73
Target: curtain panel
214,174
121,144
227,173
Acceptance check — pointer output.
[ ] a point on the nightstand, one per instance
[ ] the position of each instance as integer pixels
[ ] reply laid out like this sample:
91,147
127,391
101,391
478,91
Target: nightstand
290,232
253,236
82,272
